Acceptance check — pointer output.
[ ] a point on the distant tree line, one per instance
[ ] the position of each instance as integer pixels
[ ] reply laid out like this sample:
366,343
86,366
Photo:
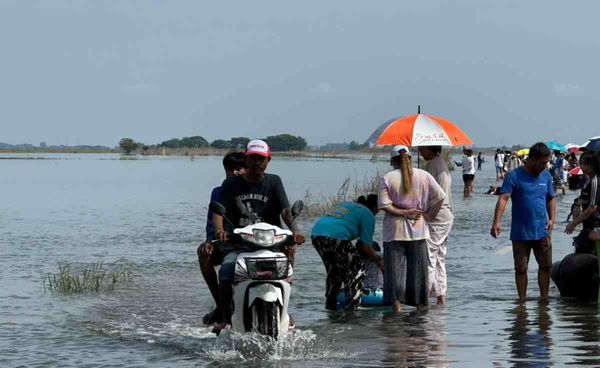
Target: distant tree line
280,142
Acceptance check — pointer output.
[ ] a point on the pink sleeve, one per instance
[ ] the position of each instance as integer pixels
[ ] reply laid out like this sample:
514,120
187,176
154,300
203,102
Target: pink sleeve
384,195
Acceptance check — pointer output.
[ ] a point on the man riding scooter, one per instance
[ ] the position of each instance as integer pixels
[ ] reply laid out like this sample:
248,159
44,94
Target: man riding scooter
262,195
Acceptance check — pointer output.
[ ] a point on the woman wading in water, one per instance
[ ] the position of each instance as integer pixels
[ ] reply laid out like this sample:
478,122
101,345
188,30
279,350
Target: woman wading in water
408,197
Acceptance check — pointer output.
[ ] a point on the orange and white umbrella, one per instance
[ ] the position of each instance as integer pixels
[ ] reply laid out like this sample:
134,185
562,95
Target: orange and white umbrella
422,130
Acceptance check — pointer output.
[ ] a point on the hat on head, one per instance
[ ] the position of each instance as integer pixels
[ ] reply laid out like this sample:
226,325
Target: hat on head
258,147
398,149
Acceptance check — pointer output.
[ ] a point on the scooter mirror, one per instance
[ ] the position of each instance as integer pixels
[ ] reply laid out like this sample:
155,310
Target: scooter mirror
297,208
217,208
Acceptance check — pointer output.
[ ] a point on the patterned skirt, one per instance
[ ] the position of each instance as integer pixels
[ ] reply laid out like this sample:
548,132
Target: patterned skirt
344,266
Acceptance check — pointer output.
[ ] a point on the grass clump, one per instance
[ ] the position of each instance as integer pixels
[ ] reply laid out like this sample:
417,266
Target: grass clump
316,206
90,278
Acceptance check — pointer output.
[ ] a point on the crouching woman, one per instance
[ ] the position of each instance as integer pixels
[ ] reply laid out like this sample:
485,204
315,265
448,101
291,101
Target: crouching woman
332,237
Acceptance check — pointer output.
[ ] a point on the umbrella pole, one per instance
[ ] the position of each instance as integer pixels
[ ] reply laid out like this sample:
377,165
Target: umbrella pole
418,153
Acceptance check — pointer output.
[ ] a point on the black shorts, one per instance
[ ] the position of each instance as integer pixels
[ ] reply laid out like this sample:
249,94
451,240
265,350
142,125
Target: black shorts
216,257
468,177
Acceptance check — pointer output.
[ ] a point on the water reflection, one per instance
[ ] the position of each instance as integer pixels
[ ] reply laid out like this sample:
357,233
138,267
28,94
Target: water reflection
414,339
529,336
579,321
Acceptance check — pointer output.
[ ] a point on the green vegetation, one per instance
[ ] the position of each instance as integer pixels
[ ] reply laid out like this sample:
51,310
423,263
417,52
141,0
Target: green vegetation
128,145
355,146
348,191
91,278
286,142
185,142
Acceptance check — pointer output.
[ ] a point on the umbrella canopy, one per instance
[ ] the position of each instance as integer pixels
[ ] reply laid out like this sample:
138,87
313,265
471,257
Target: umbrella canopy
421,130
592,145
573,149
576,171
523,152
570,145
555,146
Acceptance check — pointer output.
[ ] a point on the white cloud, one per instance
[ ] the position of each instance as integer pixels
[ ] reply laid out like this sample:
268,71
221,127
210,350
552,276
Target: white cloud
565,89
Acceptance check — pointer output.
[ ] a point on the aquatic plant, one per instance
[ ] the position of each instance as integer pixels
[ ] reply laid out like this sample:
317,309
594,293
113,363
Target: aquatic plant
90,278
315,206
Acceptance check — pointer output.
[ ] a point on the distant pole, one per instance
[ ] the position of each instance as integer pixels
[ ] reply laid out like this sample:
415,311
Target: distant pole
418,109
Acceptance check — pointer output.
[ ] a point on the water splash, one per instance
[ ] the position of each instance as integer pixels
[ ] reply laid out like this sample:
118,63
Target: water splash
229,347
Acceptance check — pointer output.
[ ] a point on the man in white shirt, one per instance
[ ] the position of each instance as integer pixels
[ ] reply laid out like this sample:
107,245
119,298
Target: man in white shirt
440,225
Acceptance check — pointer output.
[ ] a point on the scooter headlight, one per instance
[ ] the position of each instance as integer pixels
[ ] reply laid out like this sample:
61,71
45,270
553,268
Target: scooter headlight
264,237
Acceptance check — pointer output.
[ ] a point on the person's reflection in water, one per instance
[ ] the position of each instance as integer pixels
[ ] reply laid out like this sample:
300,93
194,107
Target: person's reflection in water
414,339
582,331
530,342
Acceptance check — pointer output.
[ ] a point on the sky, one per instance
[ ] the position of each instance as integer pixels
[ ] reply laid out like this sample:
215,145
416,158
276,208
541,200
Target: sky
93,72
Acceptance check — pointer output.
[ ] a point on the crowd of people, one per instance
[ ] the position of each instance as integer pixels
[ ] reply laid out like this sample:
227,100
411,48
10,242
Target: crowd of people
531,184
418,218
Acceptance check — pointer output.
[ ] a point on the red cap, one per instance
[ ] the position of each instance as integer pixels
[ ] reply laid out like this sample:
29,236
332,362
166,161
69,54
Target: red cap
258,147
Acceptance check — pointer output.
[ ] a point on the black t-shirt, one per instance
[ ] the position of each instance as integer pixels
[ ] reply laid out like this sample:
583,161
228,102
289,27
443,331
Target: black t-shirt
266,199
590,195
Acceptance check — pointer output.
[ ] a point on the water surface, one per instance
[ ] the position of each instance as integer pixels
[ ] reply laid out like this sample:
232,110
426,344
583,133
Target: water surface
152,211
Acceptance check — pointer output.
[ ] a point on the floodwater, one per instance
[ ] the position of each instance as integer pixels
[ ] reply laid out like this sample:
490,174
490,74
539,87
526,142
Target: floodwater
151,212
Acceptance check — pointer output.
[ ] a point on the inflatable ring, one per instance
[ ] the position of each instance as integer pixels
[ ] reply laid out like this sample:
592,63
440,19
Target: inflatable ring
370,297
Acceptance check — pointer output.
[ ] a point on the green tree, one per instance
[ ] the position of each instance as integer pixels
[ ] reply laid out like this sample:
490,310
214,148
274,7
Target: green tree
221,144
239,142
194,142
128,145
187,142
171,143
286,142
355,146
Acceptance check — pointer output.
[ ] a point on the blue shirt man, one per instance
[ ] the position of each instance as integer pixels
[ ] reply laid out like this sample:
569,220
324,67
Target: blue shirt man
529,196
533,211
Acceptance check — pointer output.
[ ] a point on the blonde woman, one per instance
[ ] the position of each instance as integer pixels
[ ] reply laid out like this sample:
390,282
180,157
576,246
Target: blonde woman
409,197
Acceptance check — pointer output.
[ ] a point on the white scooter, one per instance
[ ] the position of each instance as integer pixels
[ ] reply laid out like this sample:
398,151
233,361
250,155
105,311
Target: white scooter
262,283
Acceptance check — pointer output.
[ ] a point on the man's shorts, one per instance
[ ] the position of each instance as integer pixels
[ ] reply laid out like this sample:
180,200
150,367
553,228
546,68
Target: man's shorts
498,170
542,250
227,270
216,257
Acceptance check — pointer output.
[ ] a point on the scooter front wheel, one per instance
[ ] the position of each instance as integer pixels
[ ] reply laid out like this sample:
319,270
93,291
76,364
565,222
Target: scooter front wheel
266,318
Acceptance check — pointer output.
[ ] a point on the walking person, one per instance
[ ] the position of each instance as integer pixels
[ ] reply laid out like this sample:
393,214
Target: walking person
440,225
533,217
468,168
499,162
332,237
480,160
408,196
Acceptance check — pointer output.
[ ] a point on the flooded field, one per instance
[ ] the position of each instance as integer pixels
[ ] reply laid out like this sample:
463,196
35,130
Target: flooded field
151,213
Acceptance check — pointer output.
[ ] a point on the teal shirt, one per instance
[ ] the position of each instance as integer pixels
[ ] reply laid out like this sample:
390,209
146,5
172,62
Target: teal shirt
347,221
